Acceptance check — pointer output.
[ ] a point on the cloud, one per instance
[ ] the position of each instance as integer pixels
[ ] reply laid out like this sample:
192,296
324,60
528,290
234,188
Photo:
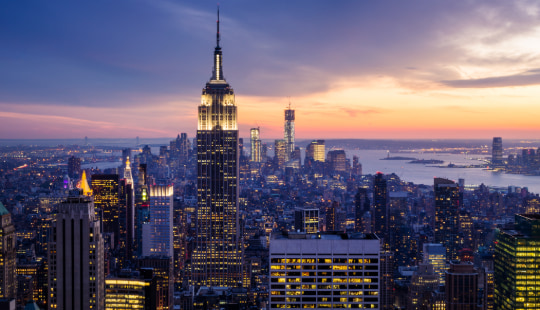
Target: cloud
530,77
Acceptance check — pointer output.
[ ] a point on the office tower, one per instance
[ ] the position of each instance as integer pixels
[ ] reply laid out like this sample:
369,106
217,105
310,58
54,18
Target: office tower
158,232
105,188
447,205
324,271
386,280
361,207
338,161
280,147
435,254
130,293
461,286
74,167
255,136
162,271
127,210
76,266
423,282
497,152
316,150
142,209
8,255
357,166
380,207
217,256
517,256
334,217
289,132
306,220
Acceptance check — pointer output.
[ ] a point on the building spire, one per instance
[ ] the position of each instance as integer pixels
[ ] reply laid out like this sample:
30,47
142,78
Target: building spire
218,71
217,34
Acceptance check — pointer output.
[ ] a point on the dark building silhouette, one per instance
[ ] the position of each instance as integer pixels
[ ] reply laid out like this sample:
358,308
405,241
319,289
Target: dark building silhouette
74,167
461,286
447,205
380,207
497,152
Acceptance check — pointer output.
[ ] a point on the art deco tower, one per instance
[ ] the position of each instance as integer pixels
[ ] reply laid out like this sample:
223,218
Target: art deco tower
217,258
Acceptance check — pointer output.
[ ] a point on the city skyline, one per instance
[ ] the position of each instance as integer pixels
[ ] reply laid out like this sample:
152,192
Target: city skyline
420,69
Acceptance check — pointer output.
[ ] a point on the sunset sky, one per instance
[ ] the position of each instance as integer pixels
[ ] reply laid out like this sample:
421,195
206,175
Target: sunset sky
352,69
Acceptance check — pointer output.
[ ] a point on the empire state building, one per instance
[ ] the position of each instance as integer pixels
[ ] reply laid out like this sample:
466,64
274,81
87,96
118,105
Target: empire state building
217,256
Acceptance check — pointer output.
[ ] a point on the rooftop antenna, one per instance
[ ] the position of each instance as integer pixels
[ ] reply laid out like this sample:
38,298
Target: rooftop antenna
217,34
289,102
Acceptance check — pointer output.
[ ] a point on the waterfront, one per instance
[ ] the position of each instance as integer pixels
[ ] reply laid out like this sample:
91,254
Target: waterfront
424,174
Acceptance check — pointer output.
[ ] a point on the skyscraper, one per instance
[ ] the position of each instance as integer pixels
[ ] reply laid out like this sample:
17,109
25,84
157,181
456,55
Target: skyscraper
8,255
289,131
306,220
497,152
255,135
316,150
217,256
280,153
517,256
76,266
158,232
380,207
447,205
461,287
105,188
326,270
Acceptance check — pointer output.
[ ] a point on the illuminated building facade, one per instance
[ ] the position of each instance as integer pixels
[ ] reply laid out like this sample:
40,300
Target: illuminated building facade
8,255
289,132
423,282
306,220
256,145
517,257
324,271
316,150
447,205
74,167
125,294
280,153
158,231
435,255
497,151
105,188
217,256
76,257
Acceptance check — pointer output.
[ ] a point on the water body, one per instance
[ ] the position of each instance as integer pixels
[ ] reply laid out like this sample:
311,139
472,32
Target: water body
424,174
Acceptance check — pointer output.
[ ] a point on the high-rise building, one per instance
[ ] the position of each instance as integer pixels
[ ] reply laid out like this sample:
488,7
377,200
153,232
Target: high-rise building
162,271
289,131
380,207
306,220
461,286
74,167
157,233
423,282
324,271
435,255
8,255
217,256
361,207
280,152
497,152
256,145
316,150
105,188
130,293
76,266
517,256
338,161
447,205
